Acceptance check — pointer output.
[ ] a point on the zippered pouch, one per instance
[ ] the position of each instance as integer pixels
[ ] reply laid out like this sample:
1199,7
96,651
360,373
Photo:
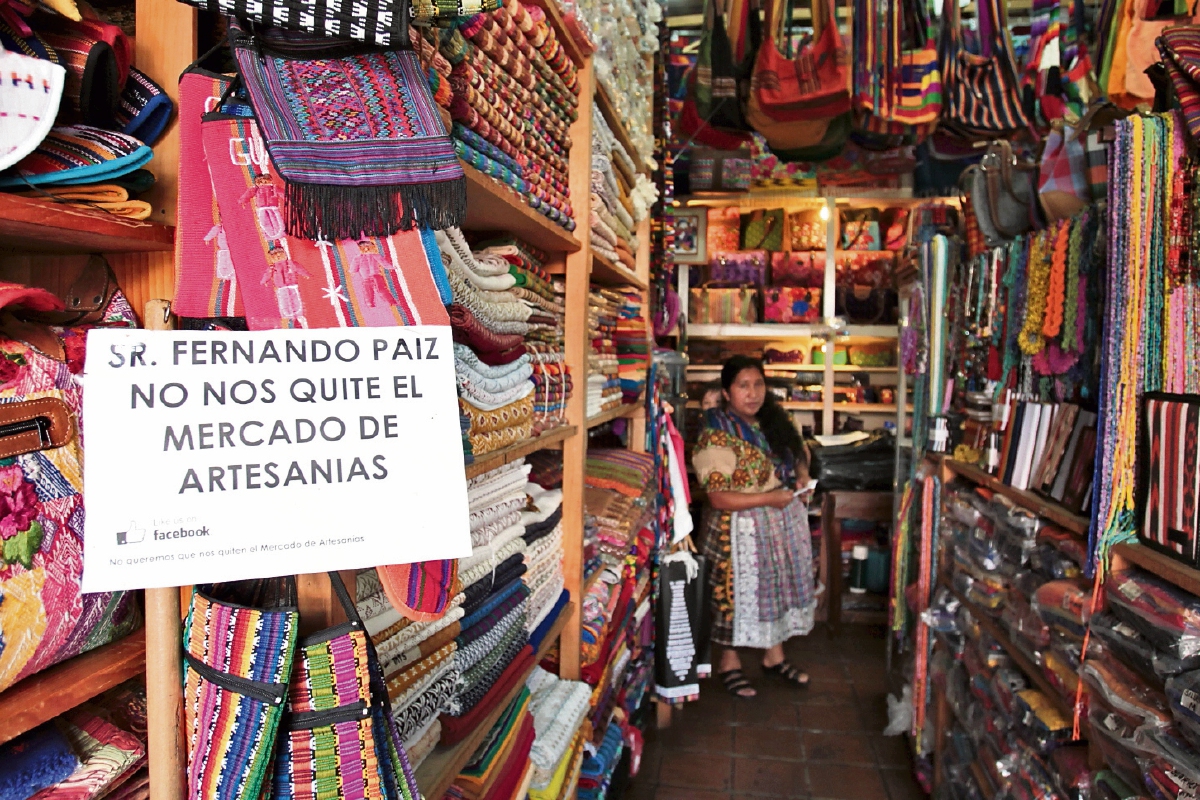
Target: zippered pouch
239,645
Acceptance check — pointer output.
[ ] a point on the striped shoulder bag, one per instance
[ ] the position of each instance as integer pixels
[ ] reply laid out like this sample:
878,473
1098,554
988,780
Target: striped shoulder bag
980,90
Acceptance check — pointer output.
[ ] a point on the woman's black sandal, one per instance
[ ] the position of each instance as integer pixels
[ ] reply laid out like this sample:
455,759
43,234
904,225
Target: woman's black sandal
736,683
788,673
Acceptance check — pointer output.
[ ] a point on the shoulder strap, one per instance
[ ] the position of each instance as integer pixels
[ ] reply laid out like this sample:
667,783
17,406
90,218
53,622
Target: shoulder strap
343,596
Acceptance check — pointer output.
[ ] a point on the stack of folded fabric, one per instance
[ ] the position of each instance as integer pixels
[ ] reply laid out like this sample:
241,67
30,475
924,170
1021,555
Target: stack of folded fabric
490,322
543,557
417,659
97,749
79,117
604,383
559,709
515,94
500,766
612,217
544,342
618,500
598,768
633,347
493,646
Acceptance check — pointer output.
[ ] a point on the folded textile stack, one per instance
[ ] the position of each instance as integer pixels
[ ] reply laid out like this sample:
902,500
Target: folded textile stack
500,764
514,96
612,218
543,552
604,383
97,749
598,768
566,773
618,500
79,118
493,647
633,347
544,342
417,660
559,708
490,322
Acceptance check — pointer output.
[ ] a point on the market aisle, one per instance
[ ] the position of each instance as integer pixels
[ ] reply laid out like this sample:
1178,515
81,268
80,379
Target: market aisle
823,742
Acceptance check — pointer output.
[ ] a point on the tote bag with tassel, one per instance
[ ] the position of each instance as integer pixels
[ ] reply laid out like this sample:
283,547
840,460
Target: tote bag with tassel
980,90
813,83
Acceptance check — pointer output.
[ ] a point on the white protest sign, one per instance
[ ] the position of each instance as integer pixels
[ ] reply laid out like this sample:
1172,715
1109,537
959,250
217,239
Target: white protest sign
215,455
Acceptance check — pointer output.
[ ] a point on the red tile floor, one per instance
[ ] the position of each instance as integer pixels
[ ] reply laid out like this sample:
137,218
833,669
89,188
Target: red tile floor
823,742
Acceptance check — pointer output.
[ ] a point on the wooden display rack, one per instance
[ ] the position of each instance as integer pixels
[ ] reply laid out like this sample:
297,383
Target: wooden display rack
45,244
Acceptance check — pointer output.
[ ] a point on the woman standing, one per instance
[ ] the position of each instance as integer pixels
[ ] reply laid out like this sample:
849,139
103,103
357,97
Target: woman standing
749,459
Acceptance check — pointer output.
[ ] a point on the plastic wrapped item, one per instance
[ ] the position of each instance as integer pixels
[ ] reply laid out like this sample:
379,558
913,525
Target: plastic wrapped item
1117,744
1170,769
1183,693
1122,691
1064,606
1014,548
1169,617
1026,582
859,467
1067,543
1134,649
942,616
1107,785
1048,560
1004,512
966,507
1021,622
984,550
984,589
1060,665
1005,685
1039,721
1034,780
1069,767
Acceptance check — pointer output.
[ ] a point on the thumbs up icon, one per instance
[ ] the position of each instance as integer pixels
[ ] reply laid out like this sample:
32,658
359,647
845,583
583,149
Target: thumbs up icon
133,535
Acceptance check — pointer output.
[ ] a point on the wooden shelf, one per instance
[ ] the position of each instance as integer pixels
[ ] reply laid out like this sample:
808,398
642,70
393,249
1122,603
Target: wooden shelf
623,410
868,332
609,274
499,458
442,766
1027,500
29,225
817,405
1161,564
758,330
613,118
1032,671
53,691
492,206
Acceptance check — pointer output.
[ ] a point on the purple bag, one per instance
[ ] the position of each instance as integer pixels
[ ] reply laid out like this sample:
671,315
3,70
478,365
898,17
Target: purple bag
741,268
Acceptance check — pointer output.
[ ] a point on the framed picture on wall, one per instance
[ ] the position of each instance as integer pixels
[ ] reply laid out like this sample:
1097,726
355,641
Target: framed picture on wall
690,226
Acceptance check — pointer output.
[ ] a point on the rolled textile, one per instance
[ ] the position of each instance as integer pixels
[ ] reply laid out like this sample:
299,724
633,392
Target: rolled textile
494,601
470,331
487,402
396,638
423,671
494,553
403,659
421,745
514,568
489,636
549,616
558,707
485,533
513,415
414,709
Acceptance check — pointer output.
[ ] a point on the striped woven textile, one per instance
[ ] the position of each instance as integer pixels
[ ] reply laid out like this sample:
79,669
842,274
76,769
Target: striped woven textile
1180,49
230,734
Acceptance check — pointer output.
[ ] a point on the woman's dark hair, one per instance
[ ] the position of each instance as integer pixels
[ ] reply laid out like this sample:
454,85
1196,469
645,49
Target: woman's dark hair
773,418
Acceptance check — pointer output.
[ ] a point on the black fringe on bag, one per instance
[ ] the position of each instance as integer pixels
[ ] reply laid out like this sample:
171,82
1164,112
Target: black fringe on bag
318,210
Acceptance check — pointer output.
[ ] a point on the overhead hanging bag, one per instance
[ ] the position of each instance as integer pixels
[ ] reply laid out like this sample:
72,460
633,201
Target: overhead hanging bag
815,82
1180,48
716,74
980,90
354,132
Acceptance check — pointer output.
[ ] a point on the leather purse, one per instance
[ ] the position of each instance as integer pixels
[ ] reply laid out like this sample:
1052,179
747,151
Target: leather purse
763,229
798,268
860,229
791,304
1002,194
715,306
739,268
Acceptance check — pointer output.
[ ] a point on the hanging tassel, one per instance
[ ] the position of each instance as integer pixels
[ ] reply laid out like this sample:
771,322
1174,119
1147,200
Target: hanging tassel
327,211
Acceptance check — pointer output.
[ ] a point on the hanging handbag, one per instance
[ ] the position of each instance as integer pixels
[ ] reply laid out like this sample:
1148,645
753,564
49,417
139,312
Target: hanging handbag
716,75
980,90
1002,194
740,268
1063,189
717,306
808,231
816,81
898,78
239,642
798,268
895,224
791,304
712,170
693,127
831,145
763,230
1180,49
338,737
44,618
860,229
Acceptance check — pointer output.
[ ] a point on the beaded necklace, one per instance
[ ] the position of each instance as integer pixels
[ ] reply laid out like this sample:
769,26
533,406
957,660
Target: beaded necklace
1070,338
1030,338
1056,291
